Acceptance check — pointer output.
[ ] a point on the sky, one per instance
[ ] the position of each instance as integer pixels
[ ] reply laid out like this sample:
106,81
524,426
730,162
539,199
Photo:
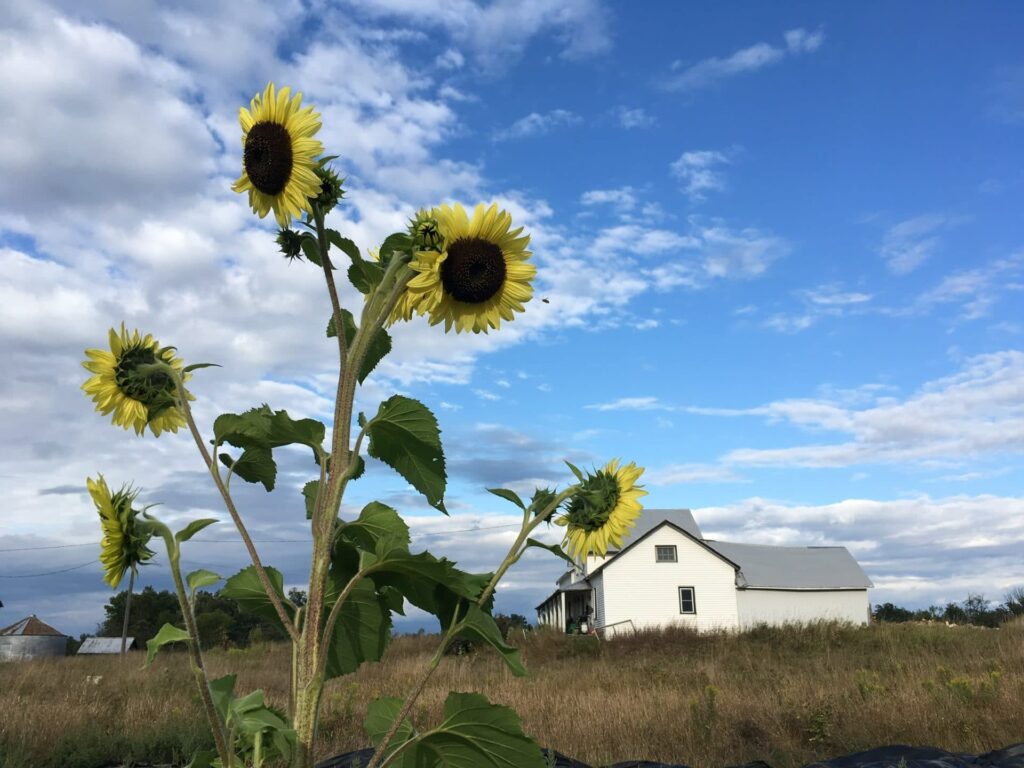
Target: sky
781,246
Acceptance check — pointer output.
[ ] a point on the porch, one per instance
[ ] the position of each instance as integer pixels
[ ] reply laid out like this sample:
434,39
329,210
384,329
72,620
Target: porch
569,609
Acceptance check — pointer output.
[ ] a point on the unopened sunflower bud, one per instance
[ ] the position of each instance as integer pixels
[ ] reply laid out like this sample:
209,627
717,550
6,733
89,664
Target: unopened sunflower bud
425,232
290,243
330,188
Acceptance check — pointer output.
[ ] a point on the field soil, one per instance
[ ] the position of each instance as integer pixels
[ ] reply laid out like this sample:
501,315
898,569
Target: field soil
787,696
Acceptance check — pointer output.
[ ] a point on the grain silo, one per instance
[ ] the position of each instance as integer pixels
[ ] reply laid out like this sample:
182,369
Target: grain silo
31,638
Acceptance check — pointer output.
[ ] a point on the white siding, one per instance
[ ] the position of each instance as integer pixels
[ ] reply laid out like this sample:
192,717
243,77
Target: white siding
769,606
597,582
636,587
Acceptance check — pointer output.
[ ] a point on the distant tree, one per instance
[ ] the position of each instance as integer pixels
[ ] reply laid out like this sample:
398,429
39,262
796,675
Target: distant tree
297,596
1015,601
506,623
954,614
887,612
213,627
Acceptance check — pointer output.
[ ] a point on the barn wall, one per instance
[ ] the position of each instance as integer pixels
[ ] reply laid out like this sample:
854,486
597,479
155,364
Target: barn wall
768,606
18,647
636,587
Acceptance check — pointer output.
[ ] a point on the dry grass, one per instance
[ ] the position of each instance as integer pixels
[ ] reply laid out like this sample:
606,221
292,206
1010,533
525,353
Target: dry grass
787,696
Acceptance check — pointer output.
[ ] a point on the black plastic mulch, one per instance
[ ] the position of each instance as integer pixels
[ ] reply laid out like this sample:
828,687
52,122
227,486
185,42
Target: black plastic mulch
880,757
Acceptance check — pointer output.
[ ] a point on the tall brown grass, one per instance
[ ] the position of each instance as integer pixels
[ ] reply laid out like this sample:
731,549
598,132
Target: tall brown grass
784,695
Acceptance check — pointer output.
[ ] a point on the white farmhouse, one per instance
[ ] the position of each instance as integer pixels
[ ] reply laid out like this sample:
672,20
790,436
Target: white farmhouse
667,573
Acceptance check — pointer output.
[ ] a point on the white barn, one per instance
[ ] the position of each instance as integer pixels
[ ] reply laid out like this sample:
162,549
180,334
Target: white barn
667,573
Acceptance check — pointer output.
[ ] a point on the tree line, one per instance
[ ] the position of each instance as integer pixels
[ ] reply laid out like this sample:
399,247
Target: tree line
976,610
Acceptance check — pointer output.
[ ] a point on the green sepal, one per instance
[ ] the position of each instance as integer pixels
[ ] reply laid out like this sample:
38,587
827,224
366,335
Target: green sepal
197,366
379,346
575,470
508,495
193,528
405,436
552,548
199,579
168,634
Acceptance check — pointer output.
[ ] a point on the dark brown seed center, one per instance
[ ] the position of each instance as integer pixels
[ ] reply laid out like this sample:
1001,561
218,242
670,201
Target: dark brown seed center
268,157
474,270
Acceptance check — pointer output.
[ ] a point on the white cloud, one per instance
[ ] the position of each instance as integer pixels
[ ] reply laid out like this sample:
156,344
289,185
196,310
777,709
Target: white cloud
635,117
635,238
697,169
632,404
623,197
450,59
496,33
975,291
819,302
908,244
720,253
537,124
710,71
677,474
978,411
918,550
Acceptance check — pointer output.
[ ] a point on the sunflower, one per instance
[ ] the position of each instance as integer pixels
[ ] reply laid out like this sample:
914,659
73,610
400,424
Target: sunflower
603,510
278,157
137,399
123,545
479,276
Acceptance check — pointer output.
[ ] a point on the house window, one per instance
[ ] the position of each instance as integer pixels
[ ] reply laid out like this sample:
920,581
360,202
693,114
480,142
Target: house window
665,554
687,600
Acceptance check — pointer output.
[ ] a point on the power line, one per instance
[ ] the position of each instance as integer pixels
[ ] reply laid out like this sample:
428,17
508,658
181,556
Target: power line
47,573
268,541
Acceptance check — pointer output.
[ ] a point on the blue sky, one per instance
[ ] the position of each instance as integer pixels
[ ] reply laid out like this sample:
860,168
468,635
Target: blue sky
781,246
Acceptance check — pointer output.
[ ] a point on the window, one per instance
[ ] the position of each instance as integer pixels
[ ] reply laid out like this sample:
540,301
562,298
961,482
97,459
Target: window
665,554
687,600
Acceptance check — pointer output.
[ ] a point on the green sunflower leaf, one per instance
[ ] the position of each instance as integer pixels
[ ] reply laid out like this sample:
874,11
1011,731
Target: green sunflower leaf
508,495
397,241
245,589
311,249
309,491
480,625
255,465
362,631
379,346
199,579
472,734
193,528
552,548
405,436
365,275
262,428
168,634
343,244
360,468
378,529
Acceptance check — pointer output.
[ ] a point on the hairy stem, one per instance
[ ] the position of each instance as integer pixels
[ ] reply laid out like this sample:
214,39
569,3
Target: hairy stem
211,465
127,612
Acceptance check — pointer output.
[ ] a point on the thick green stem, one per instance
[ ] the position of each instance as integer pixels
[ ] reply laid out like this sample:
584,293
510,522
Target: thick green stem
198,668
127,613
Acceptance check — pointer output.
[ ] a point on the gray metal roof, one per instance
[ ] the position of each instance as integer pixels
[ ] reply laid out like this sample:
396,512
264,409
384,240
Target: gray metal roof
104,645
768,566
652,518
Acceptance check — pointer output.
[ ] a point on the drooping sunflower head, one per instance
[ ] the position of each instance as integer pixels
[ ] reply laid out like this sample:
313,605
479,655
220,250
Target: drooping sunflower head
124,383
603,510
480,273
124,542
279,167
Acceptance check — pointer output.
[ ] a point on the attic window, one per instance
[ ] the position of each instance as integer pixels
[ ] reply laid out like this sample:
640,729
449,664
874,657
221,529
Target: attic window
687,600
666,554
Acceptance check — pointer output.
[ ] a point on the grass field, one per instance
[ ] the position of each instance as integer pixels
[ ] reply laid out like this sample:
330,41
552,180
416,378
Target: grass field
787,696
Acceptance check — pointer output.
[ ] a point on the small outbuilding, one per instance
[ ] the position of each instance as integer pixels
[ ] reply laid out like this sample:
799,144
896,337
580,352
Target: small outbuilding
31,638
106,645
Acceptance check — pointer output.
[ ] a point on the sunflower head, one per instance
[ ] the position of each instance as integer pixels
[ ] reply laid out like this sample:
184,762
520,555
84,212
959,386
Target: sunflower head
290,243
331,190
425,231
604,508
279,169
480,273
128,381
124,541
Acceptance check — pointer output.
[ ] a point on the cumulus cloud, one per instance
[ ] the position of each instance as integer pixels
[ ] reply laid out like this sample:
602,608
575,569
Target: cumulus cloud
711,71
698,170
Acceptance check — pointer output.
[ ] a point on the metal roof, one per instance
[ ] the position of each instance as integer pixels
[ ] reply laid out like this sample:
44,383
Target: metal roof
652,518
104,645
767,567
30,625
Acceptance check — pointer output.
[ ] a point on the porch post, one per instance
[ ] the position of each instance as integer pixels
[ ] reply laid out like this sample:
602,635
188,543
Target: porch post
565,618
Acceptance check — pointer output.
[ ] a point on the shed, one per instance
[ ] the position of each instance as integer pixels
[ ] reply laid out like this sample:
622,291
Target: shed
31,638
106,645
